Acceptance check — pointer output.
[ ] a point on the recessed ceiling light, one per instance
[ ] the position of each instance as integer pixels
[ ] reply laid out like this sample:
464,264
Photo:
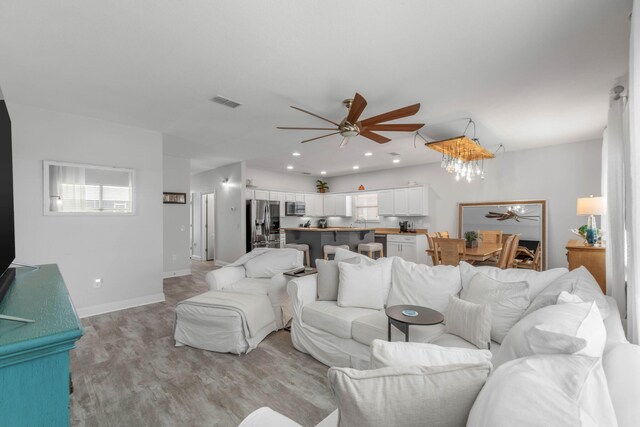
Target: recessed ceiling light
396,160
356,167
368,153
323,173
296,154
289,167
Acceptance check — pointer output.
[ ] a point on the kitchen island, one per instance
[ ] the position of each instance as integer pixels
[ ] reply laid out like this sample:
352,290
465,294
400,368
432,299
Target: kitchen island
316,238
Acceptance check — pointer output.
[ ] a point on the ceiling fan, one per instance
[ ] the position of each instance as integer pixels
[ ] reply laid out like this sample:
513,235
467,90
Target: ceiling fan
350,126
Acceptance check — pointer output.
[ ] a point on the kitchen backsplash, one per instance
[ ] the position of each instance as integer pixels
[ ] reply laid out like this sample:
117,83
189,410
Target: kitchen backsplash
385,222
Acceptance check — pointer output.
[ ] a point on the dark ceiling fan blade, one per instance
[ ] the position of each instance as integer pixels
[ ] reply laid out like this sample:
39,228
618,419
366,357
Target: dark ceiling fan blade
344,142
400,127
357,107
323,136
315,115
286,127
374,136
390,115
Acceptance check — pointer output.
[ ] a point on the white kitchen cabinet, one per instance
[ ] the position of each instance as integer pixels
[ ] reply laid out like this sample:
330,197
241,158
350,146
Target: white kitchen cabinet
329,205
248,194
400,201
343,205
418,201
299,197
261,195
273,196
281,199
318,205
290,197
385,203
408,247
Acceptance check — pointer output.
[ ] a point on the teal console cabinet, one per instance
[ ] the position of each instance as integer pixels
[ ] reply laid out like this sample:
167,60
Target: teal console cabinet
34,357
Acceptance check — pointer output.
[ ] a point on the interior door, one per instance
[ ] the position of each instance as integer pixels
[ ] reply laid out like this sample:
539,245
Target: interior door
210,227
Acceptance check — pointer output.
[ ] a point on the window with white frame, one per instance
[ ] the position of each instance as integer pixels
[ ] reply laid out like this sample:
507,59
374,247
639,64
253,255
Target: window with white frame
367,207
76,189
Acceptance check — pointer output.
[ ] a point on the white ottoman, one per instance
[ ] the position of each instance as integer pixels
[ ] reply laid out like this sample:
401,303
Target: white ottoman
226,322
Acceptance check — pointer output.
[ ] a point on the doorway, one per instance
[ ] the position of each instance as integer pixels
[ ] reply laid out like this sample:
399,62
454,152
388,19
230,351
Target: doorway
208,227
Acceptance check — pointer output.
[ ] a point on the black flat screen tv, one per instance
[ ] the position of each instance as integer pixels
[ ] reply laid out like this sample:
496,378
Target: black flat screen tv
7,233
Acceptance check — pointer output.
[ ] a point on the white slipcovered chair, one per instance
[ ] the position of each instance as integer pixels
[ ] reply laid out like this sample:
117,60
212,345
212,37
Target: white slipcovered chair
260,272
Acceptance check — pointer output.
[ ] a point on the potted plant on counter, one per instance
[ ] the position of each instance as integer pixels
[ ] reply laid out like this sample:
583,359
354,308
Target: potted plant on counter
471,238
322,186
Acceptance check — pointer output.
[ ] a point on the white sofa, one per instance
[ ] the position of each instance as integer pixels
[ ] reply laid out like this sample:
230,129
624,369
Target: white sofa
341,336
260,272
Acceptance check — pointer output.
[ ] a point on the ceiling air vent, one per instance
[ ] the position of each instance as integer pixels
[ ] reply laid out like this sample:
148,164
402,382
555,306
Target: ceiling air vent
394,154
305,173
225,101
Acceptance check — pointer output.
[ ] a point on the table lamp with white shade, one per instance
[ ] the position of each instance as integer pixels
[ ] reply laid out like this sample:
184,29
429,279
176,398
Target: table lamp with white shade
591,206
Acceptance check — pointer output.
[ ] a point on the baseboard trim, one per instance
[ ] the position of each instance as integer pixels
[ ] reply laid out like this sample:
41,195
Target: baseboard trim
220,263
94,310
176,273
196,257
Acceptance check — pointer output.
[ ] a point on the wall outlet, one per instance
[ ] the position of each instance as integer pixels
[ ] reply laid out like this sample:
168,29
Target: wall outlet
174,257
97,283
182,228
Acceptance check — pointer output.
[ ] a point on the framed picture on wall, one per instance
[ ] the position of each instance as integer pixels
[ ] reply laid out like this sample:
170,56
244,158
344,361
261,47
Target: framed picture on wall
174,198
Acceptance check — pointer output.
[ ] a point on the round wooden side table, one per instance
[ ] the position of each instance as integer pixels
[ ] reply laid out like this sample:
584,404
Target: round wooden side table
426,316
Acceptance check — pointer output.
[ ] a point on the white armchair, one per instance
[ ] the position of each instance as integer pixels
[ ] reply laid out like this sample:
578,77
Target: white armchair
260,272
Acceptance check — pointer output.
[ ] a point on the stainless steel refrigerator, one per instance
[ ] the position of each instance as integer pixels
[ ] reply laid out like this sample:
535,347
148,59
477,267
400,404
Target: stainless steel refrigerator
263,224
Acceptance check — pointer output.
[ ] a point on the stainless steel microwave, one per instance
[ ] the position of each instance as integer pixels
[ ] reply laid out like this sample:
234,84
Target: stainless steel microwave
294,208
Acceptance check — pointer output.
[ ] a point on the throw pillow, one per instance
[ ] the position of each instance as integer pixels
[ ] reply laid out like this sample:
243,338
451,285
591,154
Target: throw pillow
538,280
419,284
578,282
550,390
408,396
361,285
329,278
508,302
566,328
385,354
270,262
469,321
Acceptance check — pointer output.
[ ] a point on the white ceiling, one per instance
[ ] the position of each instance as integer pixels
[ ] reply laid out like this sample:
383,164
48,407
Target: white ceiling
529,73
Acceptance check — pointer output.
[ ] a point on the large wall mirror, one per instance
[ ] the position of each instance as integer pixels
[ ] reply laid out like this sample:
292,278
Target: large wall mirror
71,188
528,218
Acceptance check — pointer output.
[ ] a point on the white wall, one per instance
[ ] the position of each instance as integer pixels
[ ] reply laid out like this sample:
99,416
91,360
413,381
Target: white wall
125,251
276,181
560,174
176,178
229,210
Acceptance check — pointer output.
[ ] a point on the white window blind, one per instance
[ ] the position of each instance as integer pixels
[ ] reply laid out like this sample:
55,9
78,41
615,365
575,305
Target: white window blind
367,207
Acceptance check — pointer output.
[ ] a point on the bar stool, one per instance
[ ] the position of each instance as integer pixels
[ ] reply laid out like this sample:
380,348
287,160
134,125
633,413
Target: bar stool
370,248
331,250
303,247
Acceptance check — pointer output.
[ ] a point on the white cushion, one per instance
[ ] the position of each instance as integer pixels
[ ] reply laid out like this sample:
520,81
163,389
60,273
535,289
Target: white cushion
273,262
550,390
329,278
384,354
362,285
373,326
420,284
469,321
250,286
343,254
538,280
267,417
407,396
328,317
508,301
622,369
569,328
450,340
579,282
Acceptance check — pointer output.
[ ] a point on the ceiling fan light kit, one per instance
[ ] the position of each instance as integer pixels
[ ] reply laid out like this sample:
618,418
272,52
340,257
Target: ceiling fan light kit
350,126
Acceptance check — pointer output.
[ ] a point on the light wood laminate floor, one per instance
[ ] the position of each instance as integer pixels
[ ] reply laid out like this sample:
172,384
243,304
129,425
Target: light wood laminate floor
127,372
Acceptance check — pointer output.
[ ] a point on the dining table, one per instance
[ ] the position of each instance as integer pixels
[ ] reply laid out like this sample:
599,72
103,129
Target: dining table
480,253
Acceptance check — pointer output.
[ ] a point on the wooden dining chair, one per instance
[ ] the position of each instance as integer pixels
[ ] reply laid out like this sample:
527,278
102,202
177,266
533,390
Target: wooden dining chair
527,259
508,252
443,234
490,236
430,237
448,251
